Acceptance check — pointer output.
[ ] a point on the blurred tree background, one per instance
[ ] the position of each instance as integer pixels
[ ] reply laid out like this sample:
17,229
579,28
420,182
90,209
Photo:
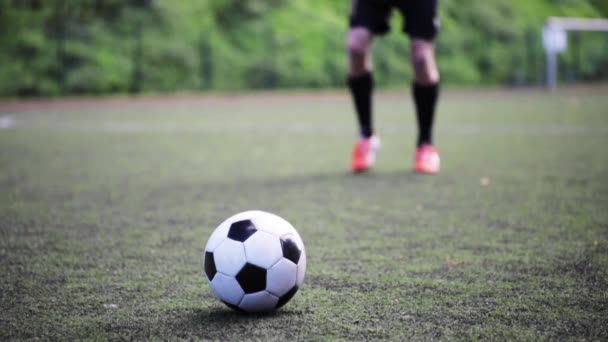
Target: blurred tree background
58,47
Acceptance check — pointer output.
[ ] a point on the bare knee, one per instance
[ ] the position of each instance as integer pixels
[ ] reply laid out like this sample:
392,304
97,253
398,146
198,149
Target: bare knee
423,62
359,51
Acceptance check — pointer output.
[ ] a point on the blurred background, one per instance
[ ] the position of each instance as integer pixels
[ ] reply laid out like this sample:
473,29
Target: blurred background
67,47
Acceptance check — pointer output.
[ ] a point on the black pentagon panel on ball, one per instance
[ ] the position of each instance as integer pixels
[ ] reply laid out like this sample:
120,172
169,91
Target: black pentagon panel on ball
210,269
291,250
252,278
241,230
286,297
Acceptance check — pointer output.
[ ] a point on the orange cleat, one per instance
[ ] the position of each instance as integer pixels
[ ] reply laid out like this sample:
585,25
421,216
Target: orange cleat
427,160
364,153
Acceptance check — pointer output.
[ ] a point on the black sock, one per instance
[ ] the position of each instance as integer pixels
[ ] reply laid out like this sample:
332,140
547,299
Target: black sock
361,88
425,98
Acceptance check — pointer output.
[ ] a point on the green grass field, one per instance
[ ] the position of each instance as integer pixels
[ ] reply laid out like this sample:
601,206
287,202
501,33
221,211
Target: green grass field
105,207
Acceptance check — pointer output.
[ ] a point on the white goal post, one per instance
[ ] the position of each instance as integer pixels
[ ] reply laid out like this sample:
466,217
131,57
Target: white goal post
555,39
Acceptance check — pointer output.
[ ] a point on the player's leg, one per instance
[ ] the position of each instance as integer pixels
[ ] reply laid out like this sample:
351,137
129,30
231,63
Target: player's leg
368,17
361,85
360,79
422,26
425,88
425,92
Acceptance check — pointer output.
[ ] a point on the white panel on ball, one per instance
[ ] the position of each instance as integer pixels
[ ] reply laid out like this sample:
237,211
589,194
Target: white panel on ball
301,269
229,257
263,249
281,277
271,223
259,301
221,232
219,235
227,288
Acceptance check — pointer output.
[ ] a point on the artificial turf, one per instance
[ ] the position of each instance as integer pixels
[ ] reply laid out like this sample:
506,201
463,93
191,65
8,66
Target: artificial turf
106,205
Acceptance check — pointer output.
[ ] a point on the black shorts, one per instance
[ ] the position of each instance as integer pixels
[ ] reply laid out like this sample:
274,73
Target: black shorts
419,16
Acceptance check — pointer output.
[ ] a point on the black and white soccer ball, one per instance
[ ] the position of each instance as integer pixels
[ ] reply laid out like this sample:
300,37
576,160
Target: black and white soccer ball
255,261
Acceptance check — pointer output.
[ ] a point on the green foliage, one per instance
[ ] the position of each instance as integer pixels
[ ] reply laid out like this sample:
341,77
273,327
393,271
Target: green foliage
56,47
601,6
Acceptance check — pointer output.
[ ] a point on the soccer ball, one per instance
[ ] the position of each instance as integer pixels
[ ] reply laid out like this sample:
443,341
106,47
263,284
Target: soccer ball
255,261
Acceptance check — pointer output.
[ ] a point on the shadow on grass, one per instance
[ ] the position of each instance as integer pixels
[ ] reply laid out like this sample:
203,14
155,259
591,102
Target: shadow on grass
223,323
224,316
342,177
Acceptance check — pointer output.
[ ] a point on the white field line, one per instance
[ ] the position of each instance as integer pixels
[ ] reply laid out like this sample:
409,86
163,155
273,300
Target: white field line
134,127
6,122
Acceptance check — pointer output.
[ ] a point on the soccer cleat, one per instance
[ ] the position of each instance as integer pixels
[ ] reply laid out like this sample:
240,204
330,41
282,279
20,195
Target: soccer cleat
364,153
427,159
